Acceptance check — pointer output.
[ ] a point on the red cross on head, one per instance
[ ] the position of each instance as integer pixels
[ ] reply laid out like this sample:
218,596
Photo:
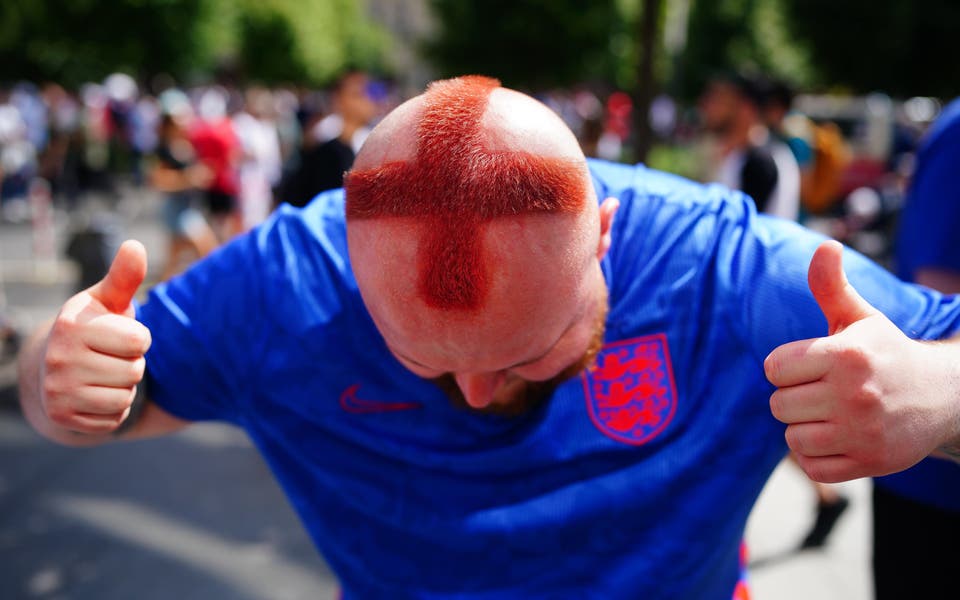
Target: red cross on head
455,185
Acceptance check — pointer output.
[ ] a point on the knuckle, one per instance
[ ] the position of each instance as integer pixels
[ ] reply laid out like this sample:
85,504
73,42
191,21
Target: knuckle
854,356
794,440
776,405
52,389
55,359
146,339
137,369
59,413
135,339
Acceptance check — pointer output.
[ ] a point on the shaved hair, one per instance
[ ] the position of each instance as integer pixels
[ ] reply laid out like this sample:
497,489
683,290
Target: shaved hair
455,185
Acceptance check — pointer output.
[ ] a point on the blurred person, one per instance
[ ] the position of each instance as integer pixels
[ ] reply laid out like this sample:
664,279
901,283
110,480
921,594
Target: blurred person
916,513
286,107
337,137
64,120
777,105
215,141
178,173
747,157
93,143
122,94
144,132
820,149
464,371
18,161
9,335
260,163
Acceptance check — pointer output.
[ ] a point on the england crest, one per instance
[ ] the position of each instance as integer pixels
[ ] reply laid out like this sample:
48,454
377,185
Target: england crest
630,393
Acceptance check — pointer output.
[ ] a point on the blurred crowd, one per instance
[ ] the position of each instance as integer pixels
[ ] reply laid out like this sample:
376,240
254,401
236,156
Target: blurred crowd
223,156
839,164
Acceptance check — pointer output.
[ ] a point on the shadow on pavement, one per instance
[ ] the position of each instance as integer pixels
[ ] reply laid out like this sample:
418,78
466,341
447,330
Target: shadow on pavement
195,515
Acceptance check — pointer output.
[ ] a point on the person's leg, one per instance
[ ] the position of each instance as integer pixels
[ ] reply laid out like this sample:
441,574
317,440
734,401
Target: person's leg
915,549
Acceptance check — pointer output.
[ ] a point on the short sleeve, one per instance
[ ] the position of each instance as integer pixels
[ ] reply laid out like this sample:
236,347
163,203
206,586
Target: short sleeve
769,261
207,330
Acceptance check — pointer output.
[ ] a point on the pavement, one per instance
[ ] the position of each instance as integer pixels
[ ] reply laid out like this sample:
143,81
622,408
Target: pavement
197,515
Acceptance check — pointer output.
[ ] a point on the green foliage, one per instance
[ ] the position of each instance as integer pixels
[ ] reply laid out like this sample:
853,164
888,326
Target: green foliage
269,40
533,44
753,35
292,40
903,47
680,160
82,40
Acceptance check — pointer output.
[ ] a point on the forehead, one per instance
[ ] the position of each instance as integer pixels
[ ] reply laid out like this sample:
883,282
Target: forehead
469,168
531,301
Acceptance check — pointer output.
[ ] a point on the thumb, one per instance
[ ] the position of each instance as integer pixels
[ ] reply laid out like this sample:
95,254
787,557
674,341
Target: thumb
840,303
129,269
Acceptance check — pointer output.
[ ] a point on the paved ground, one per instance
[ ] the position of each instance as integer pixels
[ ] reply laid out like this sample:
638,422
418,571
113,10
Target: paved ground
198,515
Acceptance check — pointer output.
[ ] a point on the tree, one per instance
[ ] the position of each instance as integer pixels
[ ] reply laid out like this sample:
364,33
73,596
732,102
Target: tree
270,40
903,47
84,40
750,35
534,44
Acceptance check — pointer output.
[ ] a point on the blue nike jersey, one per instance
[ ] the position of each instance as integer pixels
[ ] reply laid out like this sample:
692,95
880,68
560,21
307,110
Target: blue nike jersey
634,480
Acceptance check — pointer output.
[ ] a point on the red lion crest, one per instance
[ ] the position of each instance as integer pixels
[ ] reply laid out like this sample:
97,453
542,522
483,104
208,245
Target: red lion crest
630,393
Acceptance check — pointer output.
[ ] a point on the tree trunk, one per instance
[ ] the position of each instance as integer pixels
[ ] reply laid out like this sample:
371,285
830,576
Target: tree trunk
648,30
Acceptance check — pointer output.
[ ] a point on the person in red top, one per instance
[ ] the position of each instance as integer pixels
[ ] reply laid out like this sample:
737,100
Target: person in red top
218,148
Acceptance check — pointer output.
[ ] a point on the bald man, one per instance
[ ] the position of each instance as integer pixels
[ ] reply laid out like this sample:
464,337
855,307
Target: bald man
473,381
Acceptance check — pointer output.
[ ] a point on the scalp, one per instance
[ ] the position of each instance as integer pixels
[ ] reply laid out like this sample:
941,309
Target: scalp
450,162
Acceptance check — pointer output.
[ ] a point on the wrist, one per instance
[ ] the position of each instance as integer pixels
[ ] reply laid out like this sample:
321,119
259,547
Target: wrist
951,446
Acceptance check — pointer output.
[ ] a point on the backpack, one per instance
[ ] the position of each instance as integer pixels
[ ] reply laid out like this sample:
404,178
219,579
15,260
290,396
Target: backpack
820,184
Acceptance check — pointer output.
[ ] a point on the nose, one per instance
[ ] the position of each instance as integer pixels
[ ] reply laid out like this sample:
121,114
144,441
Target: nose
478,388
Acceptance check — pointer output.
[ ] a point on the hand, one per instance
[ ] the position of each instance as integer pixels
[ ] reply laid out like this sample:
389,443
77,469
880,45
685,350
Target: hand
866,400
93,359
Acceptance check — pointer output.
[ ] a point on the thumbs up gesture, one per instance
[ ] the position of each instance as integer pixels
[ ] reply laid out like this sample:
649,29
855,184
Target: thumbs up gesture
93,359
866,400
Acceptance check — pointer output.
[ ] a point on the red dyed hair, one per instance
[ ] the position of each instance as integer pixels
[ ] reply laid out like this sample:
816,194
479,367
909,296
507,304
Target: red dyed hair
455,186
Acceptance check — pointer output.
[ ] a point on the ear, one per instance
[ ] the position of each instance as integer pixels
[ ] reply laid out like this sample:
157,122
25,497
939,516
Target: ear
608,208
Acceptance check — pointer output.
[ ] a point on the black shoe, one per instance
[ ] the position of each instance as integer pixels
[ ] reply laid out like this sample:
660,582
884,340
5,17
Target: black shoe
827,516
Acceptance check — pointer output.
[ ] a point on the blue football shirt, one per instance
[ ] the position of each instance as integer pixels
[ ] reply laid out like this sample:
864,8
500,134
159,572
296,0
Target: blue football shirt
634,480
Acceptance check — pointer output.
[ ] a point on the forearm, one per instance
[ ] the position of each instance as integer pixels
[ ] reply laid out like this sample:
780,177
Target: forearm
950,449
30,375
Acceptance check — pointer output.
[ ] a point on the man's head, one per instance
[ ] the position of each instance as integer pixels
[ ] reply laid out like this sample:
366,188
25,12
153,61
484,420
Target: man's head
475,237
351,99
730,103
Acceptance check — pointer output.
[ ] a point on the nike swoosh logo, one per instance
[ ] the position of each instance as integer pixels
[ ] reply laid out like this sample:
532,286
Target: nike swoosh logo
352,404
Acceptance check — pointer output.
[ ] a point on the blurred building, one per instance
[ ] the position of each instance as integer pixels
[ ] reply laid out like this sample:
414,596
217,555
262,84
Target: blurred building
410,21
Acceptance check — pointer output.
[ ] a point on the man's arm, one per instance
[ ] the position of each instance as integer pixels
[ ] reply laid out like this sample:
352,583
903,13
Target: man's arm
80,373
866,400
948,282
